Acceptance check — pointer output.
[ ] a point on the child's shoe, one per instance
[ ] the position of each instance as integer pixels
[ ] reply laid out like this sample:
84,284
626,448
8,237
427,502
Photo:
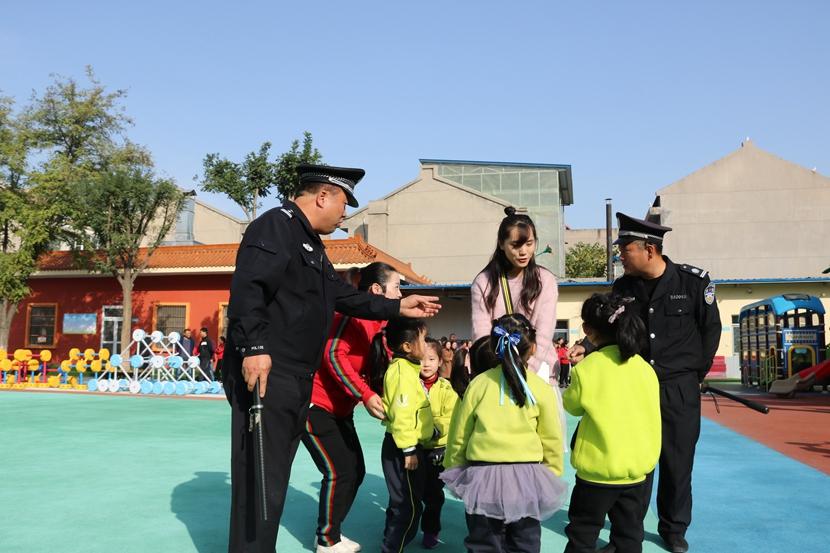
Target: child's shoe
430,541
351,543
339,547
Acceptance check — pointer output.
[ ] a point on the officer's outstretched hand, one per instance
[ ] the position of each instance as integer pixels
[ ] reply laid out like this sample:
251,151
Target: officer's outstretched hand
416,306
256,367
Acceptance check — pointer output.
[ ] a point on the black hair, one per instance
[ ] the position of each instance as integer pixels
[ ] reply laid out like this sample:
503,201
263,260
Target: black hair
511,363
482,358
313,188
499,265
203,329
613,318
435,345
398,330
373,273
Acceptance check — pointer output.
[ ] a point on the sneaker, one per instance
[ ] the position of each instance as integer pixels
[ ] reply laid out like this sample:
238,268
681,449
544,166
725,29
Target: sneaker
430,541
351,543
339,547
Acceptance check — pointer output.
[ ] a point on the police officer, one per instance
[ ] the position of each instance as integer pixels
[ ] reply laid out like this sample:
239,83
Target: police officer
283,295
677,305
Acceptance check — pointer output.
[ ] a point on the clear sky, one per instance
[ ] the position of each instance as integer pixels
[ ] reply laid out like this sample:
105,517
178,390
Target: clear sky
634,95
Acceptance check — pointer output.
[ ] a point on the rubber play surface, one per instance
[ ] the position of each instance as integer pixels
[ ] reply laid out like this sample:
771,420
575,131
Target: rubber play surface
97,473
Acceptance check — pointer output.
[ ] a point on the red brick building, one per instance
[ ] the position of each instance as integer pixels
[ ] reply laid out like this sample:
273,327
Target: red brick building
183,287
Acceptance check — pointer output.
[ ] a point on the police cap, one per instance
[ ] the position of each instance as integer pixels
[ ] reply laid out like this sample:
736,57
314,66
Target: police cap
344,177
632,229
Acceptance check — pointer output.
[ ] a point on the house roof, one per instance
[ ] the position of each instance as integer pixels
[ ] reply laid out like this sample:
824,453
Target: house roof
345,253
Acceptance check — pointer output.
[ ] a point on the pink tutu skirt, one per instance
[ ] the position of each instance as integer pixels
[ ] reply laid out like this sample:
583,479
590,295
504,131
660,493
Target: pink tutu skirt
507,491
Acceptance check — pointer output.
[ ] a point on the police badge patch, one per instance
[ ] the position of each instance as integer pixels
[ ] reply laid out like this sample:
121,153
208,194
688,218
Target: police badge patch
709,294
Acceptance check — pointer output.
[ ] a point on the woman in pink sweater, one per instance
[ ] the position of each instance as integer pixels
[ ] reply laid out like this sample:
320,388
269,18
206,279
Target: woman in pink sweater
531,289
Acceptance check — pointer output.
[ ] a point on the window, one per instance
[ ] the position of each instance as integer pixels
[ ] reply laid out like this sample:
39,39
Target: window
223,319
736,334
561,330
41,319
170,317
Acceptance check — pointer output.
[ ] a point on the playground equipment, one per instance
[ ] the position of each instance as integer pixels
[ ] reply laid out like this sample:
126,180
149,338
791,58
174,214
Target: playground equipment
26,366
156,367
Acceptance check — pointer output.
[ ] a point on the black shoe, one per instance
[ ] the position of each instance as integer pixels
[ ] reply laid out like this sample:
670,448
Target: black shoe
607,549
676,544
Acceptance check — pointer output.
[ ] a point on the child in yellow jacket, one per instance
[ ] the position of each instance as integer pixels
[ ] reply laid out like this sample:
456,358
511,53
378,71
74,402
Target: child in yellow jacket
409,426
617,443
442,400
504,455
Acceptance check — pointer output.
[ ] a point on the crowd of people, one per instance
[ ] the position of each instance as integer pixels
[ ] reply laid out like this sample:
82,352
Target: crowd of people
484,417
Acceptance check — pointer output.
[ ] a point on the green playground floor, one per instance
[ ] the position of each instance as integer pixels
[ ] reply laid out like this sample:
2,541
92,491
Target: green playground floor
129,474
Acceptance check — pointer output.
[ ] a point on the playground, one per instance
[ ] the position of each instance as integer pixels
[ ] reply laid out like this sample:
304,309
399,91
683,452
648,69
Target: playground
89,472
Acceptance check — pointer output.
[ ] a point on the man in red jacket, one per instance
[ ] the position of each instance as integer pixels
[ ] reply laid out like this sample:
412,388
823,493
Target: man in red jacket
339,385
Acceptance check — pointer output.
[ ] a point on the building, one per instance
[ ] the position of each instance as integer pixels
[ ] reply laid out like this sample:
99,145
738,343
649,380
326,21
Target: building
444,222
749,215
183,287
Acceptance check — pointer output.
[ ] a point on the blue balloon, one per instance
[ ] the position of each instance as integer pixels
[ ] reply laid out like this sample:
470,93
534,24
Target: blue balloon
169,388
158,385
116,360
92,385
146,387
175,362
136,361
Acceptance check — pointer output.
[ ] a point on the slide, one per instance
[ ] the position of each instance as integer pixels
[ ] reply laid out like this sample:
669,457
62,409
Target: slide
803,380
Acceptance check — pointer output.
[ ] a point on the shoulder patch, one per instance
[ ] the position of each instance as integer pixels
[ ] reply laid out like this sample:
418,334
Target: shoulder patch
709,294
693,270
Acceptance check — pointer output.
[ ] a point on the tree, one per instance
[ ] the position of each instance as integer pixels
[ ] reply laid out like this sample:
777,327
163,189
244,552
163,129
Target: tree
255,177
122,209
585,260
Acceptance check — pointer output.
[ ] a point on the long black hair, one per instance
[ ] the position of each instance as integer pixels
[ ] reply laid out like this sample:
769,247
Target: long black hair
373,273
398,330
511,339
613,318
499,265
482,358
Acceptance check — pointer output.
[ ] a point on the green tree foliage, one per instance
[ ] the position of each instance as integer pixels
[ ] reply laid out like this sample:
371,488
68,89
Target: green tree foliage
585,260
256,176
122,216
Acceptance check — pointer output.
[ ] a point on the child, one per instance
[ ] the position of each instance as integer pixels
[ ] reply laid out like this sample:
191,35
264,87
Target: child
481,359
442,400
504,453
617,442
408,426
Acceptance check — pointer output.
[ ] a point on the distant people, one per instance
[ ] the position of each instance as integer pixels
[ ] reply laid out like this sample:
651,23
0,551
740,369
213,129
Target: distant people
470,362
217,358
446,361
185,346
564,362
205,350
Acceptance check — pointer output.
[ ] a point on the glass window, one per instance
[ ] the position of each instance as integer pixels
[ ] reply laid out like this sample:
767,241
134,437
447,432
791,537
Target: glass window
40,328
223,319
561,330
171,318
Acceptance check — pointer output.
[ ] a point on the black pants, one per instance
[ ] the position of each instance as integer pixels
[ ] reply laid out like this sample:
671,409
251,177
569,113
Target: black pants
283,420
491,535
680,413
433,497
405,496
626,507
335,448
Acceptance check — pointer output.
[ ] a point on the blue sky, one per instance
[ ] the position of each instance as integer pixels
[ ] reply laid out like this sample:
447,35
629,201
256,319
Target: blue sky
634,95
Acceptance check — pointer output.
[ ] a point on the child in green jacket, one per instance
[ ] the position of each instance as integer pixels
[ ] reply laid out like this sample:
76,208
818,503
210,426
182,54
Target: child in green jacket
442,400
617,443
409,426
504,455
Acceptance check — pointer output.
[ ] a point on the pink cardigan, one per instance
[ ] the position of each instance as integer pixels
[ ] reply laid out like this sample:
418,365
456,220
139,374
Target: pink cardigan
542,316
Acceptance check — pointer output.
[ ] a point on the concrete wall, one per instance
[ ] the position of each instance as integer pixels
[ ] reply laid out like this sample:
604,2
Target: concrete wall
749,215
446,232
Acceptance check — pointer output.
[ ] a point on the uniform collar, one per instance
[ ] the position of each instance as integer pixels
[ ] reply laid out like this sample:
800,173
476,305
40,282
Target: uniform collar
298,213
665,280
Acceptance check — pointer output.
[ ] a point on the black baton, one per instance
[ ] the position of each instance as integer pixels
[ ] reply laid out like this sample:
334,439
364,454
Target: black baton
754,405
255,426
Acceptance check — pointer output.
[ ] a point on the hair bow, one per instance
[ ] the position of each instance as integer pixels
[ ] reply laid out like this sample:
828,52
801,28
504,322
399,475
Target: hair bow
505,338
620,310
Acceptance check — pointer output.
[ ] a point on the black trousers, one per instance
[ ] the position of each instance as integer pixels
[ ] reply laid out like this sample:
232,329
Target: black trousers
283,420
405,496
491,535
680,413
626,507
335,448
433,497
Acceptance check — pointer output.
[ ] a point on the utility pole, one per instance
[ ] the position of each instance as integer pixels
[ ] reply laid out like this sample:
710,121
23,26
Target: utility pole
609,254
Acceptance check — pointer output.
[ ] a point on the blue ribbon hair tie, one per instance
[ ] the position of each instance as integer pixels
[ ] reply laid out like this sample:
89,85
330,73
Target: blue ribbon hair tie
507,343
505,338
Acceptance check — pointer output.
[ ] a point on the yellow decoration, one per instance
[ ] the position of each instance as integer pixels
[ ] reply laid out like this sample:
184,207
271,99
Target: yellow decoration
45,355
19,355
66,366
104,354
33,363
89,354
96,366
74,353
5,364
3,353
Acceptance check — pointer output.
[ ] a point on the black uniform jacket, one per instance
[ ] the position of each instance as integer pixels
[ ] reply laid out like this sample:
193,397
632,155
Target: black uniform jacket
681,318
284,292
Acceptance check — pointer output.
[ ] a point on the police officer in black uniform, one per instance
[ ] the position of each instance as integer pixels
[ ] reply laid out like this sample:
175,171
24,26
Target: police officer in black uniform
283,295
677,304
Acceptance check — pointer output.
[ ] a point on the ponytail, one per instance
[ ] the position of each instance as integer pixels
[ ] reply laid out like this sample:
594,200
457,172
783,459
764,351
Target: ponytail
378,363
511,339
459,377
613,318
